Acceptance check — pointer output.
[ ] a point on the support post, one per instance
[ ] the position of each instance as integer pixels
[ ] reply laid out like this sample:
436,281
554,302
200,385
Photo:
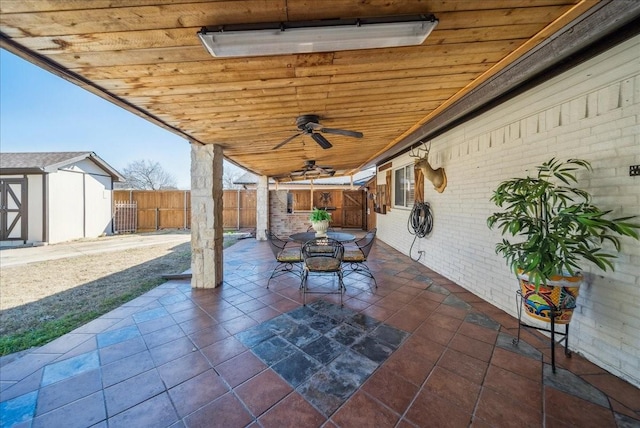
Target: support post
206,216
262,208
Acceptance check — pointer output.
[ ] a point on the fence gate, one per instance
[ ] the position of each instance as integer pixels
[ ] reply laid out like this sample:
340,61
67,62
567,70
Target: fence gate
125,218
13,201
353,206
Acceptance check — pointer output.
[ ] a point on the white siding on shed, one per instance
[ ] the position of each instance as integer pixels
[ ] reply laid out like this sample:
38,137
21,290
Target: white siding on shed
35,231
66,206
80,202
98,197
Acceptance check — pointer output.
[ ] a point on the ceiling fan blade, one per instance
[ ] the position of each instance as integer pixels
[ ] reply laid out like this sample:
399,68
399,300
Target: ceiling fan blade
287,140
346,133
322,142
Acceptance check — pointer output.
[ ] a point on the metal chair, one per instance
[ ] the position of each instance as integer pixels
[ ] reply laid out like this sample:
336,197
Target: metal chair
288,260
322,256
355,259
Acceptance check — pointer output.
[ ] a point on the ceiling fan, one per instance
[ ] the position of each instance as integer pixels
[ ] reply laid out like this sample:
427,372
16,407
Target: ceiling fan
309,123
310,168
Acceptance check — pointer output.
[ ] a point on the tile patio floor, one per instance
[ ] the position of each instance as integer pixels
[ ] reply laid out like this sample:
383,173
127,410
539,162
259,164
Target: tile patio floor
419,351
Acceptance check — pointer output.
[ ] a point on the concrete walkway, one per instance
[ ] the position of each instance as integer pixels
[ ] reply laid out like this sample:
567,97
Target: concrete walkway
23,255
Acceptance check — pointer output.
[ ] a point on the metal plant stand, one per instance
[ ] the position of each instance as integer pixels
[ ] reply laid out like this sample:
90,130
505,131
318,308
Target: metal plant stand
553,312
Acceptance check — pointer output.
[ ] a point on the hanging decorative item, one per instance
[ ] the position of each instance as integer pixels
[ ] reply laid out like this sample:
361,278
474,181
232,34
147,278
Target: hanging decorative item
325,198
437,177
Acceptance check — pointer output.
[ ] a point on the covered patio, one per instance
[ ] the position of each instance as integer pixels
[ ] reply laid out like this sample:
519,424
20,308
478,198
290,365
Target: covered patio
497,87
417,351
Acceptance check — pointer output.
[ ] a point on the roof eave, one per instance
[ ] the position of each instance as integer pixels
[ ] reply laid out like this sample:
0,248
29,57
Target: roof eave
22,171
603,27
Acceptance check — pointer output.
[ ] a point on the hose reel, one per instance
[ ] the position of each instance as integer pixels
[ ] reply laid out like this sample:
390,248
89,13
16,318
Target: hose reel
419,224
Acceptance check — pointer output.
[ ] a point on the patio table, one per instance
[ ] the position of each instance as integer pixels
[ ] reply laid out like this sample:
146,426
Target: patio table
308,236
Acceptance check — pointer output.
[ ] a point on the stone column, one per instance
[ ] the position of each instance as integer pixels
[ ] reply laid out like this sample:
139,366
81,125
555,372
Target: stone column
206,216
262,207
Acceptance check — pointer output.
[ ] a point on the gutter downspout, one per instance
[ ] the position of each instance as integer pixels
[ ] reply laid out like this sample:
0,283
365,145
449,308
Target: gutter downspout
45,207
84,205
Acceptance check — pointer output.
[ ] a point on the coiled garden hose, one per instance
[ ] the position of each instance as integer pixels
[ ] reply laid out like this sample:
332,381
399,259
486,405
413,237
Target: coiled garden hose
419,224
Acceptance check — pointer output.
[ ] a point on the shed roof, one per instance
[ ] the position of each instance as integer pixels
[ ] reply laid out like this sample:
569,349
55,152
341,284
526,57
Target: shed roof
47,162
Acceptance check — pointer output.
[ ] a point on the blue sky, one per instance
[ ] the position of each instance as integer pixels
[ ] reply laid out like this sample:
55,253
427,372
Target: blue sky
41,112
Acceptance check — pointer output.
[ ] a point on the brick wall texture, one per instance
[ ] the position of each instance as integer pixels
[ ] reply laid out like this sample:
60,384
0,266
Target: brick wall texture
590,112
280,222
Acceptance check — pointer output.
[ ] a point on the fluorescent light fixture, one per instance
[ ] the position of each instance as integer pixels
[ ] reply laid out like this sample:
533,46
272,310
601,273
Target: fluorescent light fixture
316,36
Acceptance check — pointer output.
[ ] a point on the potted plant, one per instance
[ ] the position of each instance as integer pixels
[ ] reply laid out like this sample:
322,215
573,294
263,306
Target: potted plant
320,221
556,228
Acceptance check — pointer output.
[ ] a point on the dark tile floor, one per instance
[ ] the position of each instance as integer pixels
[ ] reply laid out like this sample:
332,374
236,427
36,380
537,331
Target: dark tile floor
323,351
417,351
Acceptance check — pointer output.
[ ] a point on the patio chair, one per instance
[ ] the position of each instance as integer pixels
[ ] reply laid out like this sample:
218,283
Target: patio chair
322,256
288,260
355,258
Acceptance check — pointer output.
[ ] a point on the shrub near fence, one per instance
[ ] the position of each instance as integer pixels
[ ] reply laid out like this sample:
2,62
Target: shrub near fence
171,209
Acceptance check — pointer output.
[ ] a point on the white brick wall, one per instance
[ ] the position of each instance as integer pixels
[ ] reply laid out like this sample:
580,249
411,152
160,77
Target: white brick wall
591,112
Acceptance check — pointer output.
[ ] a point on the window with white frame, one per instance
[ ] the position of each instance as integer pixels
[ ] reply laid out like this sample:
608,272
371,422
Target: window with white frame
403,186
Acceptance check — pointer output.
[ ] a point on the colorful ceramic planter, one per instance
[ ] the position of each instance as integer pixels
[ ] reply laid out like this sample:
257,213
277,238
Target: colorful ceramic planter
560,295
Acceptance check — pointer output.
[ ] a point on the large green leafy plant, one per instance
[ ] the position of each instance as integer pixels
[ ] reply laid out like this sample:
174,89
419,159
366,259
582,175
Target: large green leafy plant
557,224
319,215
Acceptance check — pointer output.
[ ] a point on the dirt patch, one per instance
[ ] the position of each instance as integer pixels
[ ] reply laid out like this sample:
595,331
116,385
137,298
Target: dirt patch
35,293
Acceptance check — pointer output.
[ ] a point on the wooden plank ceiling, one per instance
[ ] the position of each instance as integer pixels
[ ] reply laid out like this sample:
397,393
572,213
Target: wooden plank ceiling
145,56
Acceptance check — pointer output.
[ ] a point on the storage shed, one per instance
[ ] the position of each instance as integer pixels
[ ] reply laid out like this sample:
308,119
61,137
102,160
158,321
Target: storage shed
51,197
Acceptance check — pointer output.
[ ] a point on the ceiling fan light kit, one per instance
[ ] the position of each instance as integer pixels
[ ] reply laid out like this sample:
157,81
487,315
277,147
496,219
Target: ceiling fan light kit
279,38
309,170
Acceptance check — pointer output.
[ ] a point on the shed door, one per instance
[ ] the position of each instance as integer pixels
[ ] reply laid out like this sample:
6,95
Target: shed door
13,197
352,208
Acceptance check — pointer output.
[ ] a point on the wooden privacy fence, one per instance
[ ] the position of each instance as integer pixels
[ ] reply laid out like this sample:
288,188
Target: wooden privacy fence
162,209
171,209
239,209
